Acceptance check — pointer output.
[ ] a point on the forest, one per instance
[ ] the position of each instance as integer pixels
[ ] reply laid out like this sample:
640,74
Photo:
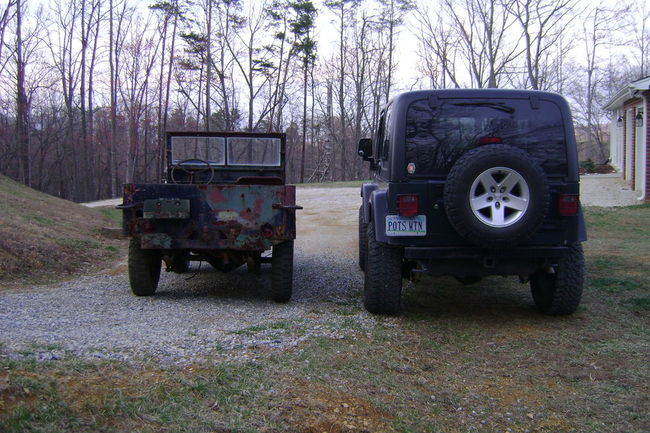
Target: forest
88,88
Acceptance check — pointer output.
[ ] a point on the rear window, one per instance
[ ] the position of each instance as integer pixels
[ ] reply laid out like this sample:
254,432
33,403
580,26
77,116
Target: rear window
437,136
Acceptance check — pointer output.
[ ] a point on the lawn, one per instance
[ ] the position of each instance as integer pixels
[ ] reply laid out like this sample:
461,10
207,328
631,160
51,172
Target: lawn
461,359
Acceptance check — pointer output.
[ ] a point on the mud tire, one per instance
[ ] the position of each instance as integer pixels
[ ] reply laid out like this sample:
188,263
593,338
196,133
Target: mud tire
383,277
560,293
462,183
144,269
282,272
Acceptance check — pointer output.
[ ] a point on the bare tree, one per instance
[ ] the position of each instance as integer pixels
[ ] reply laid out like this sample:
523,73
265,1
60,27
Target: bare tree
482,26
587,91
170,12
543,23
140,54
392,16
438,47
22,109
253,62
343,10
639,17
6,15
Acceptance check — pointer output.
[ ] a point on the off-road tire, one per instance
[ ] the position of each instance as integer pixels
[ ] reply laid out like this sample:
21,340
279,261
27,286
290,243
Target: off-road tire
144,269
383,276
467,171
363,240
559,293
282,272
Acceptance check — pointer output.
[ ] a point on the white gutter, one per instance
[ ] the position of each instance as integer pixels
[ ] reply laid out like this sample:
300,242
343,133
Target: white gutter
645,142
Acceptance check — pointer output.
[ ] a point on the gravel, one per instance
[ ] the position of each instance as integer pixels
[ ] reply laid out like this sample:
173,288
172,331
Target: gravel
203,314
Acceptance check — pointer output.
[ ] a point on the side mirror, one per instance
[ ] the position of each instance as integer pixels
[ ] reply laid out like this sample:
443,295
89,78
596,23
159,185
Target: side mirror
365,149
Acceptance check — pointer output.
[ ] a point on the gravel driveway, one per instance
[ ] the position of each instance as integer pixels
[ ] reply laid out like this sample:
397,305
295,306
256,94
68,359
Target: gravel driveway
202,313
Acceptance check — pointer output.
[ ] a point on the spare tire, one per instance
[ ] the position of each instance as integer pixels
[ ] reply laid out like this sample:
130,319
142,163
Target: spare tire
496,196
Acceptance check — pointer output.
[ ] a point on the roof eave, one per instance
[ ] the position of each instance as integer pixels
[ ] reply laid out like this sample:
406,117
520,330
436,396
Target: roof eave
626,93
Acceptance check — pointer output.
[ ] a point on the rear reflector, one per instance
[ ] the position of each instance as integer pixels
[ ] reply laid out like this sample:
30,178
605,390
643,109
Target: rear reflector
490,140
568,204
408,204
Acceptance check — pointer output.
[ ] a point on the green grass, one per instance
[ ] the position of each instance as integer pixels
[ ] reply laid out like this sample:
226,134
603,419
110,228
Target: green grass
111,213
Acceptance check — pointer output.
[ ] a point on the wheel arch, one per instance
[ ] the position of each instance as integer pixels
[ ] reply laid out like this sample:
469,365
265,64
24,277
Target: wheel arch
378,210
366,197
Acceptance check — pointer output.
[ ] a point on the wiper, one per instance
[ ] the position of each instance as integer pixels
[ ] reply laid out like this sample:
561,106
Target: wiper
495,105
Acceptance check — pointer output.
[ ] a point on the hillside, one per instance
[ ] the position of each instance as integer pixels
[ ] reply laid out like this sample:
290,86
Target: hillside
44,238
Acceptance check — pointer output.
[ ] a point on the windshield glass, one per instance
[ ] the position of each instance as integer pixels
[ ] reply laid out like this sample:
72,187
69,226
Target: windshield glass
254,151
227,151
210,149
437,136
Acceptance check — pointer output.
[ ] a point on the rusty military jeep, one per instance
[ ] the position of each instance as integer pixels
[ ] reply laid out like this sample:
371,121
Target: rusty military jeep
223,201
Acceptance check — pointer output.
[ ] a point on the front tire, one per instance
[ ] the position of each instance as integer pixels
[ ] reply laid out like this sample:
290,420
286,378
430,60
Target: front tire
282,272
559,293
383,276
144,269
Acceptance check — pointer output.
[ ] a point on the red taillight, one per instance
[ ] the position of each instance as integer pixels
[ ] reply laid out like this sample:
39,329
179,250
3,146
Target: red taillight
408,204
490,140
568,204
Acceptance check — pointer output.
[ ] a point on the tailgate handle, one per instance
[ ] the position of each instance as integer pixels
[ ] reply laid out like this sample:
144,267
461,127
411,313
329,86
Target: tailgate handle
286,206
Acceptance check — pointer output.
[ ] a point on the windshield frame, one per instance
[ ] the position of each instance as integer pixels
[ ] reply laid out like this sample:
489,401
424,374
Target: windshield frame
223,162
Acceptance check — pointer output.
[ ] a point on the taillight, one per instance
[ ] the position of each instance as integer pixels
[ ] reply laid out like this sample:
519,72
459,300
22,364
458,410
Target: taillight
408,204
568,204
490,140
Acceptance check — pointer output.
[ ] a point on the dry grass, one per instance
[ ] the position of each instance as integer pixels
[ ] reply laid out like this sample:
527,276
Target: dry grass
43,238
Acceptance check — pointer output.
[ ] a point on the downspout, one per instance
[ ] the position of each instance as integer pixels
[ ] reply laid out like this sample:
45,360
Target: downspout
645,147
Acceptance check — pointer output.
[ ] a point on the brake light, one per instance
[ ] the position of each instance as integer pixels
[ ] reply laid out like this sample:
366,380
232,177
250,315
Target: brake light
408,204
568,204
490,140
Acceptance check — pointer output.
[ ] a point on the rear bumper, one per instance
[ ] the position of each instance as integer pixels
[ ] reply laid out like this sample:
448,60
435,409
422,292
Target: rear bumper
532,252
473,261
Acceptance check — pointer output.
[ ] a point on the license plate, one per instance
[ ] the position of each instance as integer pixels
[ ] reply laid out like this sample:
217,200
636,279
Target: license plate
397,225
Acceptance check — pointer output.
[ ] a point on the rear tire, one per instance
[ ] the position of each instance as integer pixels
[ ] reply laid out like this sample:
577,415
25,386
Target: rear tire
144,269
560,293
383,276
363,240
282,272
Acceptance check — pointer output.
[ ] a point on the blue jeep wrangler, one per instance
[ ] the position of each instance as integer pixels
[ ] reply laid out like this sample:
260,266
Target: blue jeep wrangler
473,183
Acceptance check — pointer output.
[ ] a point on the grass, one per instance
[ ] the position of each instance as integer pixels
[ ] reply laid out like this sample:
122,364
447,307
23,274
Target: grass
45,239
461,359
